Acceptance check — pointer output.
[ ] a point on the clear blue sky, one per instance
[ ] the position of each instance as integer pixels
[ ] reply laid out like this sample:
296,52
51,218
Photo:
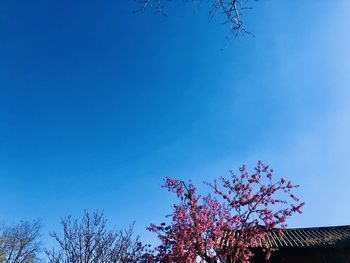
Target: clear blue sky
97,105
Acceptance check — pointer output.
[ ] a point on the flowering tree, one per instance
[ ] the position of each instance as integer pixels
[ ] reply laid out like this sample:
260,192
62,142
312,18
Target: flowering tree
226,228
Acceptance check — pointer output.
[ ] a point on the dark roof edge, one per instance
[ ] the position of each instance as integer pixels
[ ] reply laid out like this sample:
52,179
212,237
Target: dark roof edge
317,228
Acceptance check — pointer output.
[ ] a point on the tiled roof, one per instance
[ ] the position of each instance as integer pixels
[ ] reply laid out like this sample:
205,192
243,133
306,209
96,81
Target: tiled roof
311,237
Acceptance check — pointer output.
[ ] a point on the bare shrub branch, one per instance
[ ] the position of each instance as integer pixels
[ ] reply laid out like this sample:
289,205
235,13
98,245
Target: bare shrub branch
88,241
20,243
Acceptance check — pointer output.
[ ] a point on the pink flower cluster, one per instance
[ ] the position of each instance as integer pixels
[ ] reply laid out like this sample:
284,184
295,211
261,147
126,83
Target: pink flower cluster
231,223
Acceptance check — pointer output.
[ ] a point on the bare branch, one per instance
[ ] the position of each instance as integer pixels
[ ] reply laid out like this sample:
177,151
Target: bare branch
20,242
231,10
89,241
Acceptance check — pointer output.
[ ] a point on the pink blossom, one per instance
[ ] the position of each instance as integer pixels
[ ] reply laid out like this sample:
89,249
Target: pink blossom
207,228
294,197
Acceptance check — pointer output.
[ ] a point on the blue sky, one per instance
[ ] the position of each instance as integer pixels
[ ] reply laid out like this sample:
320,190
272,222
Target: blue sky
97,105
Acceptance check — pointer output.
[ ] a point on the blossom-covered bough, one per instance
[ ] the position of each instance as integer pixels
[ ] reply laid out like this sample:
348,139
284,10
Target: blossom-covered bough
228,225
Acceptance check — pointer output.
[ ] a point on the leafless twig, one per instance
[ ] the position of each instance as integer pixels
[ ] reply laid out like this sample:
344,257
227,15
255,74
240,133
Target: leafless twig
20,243
231,10
88,241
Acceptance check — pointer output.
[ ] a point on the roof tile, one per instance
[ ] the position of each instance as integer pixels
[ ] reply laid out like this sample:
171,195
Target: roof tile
306,237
